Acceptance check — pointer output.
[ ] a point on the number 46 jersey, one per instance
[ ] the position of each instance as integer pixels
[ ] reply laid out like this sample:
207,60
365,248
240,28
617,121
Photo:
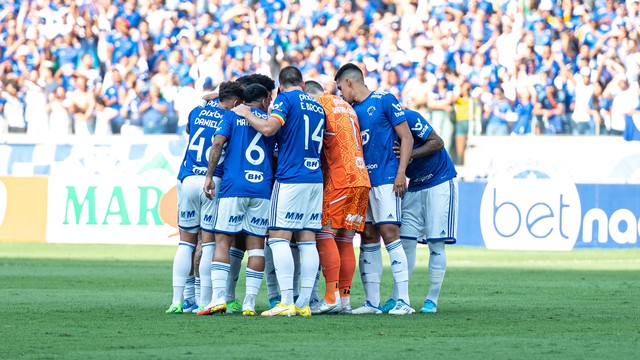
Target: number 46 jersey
203,123
247,165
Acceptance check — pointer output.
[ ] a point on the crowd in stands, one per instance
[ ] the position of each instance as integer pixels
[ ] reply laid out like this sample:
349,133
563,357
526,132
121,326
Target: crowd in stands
473,66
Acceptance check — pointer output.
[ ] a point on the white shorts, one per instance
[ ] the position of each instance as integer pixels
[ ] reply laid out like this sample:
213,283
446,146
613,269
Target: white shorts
296,207
384,206
242,214
195,211
431,214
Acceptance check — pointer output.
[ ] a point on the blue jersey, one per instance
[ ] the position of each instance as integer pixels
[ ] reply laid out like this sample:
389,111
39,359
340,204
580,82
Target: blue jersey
428,171
378,114
203,124
300,137
247,166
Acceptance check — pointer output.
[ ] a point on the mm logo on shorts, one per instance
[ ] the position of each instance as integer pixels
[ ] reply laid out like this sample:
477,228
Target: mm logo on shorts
311,163
253,176
234,219
354,218
187,214
294,216
259,221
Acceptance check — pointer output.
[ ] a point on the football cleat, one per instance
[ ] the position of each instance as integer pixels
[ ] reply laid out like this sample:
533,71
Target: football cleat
274,301
303,311
214,308
390,304
198,309
367,308
346,310
188,306
402,308
249,312
234,307
429,307
175,308
281,310
325,308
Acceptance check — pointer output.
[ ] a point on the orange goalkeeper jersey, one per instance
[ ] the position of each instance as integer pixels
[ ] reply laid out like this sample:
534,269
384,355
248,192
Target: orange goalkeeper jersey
342,158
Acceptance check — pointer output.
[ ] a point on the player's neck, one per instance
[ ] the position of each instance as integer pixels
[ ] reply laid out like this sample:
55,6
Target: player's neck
292,88
361,93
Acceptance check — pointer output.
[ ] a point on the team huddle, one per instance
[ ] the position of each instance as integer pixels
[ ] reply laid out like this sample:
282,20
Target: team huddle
306,176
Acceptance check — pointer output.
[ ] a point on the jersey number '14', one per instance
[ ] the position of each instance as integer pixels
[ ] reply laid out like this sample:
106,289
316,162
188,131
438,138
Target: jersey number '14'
317,133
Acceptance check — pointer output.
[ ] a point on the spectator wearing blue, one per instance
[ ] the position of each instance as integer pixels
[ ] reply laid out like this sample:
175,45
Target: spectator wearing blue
153,112
496,113
121,44
524,117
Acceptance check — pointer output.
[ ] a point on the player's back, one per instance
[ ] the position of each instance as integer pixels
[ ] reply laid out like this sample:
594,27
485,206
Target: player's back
247,166
378,114
203,123
300,137
427,171
342,155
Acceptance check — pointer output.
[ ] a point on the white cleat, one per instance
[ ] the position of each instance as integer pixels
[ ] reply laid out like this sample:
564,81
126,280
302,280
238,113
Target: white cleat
402,308
367,308
324,308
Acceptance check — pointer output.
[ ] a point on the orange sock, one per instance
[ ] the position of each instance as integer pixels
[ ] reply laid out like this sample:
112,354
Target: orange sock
330,261
347,263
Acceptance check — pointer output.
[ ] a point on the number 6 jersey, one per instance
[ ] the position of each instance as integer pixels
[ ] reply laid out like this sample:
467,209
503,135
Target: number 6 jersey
247,165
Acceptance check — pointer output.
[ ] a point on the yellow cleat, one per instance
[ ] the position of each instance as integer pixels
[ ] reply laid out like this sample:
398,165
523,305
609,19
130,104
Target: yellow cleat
281,310
249,312
304,311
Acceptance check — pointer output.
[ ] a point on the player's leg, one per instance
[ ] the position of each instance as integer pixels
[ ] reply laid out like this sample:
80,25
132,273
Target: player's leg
254,273
442,215
279,238
344,242
191,292
284,267
388,214
189,224
273,292
308,269
208,250
255,226
237,255
330,262
225,228
295,252
181,267
209,209
370,265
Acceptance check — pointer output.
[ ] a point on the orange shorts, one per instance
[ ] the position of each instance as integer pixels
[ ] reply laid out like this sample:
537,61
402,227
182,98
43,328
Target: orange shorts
345,208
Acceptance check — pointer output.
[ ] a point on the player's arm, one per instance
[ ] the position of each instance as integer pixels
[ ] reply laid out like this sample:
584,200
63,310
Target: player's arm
406,145
433,144
267,127
214,156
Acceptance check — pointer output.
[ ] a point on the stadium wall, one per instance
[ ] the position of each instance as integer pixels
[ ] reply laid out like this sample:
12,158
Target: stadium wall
544,193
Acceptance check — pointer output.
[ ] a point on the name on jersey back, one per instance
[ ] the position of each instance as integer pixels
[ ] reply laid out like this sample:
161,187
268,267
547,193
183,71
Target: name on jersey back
203,121
311,104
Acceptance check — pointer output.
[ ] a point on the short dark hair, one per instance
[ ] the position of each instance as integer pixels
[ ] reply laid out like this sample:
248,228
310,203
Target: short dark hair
290,76
313,87
351,71
255,92
230,90
263,80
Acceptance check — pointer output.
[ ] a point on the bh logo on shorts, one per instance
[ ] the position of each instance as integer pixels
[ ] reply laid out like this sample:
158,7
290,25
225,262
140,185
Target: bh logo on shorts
528,208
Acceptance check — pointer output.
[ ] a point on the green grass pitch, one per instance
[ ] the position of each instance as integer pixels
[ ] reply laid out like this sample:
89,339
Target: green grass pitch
108,302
